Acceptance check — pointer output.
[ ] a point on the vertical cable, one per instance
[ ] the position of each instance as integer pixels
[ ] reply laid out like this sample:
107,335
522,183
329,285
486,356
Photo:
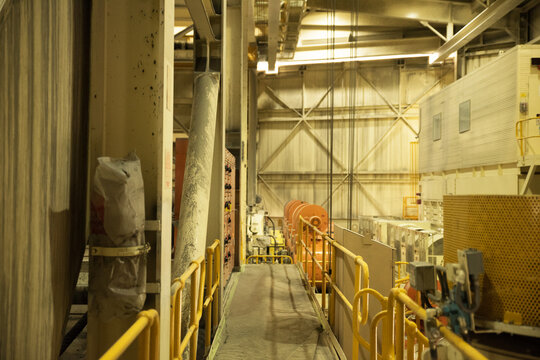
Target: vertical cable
352,111
330,47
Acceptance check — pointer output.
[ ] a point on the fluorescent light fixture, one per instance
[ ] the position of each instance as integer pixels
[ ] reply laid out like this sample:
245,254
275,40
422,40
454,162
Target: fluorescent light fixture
263,65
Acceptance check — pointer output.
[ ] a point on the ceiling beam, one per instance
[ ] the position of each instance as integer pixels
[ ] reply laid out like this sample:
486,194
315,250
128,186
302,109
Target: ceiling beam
201,11
395,46
432,11
474,28
318,20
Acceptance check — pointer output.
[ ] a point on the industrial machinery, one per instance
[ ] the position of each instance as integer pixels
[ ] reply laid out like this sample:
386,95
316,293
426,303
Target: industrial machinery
316,215
506,229
412,240
229,221
451,294
263,237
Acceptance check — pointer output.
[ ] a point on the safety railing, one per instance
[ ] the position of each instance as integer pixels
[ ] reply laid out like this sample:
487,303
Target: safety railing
395,326
399,270
204,295
361,278
199,275
147,324
519,133
410,203
269,259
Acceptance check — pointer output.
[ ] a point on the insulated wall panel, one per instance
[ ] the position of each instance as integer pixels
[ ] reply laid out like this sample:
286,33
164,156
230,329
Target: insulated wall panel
494,98
43,132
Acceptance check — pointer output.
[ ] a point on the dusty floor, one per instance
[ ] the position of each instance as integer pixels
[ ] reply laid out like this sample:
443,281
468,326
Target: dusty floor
271,317
77,349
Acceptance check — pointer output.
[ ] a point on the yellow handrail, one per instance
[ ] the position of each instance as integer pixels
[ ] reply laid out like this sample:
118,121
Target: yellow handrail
399,299
361,280
198,302
395,324
211,302
273,257
201,298
147,324
400,280
519,133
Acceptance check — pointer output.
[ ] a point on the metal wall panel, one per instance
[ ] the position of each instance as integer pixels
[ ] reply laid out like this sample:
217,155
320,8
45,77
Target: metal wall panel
292,155
495,91
43,127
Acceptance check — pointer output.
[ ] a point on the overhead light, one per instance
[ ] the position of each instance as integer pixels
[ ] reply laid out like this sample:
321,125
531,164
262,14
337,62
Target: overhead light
263,65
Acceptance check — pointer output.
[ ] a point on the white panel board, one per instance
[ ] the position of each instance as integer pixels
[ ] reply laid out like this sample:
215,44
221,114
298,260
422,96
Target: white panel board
379,258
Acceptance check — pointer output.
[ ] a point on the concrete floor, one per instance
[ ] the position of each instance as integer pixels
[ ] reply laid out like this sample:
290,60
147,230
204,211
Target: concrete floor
77,349
270,316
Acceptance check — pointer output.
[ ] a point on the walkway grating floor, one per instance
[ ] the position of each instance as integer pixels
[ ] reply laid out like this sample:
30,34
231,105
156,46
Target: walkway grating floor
270,316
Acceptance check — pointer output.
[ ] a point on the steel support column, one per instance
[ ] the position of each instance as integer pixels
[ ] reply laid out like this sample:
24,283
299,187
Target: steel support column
131,108
252,138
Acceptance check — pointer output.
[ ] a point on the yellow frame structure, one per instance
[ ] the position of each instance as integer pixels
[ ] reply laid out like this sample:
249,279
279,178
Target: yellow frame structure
519,134
202,297
392,314
273,257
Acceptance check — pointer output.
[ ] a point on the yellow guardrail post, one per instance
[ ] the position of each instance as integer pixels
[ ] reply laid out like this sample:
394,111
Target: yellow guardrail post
208,322
298,243
356,342
306,251
332,307
399,329
212,291
313,252
395,325
196,307
373,335
217,277
273,257
519,134
323,273
147,324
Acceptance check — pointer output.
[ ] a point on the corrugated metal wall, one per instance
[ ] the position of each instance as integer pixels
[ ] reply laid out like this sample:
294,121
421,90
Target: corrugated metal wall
43,127
292,155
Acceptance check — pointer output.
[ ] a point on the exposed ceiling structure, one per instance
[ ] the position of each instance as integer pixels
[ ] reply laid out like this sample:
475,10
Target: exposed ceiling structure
299,31
384,28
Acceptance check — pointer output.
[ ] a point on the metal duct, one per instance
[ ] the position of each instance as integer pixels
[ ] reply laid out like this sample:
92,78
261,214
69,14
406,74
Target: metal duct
295,11
193,220
291,15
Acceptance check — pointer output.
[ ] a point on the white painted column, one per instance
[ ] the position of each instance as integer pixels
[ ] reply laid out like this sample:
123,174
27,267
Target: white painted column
131,105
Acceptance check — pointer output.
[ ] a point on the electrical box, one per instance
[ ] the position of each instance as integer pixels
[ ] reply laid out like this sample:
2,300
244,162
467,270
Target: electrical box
472,260
422,275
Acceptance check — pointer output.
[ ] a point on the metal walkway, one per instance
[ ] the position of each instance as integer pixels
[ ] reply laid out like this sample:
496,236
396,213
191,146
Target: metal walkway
269,315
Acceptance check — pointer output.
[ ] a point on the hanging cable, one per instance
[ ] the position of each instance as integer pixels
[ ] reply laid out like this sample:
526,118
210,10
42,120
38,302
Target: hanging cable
207,55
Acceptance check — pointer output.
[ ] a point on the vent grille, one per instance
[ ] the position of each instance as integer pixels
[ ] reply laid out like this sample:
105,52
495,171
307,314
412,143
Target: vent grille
507,231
